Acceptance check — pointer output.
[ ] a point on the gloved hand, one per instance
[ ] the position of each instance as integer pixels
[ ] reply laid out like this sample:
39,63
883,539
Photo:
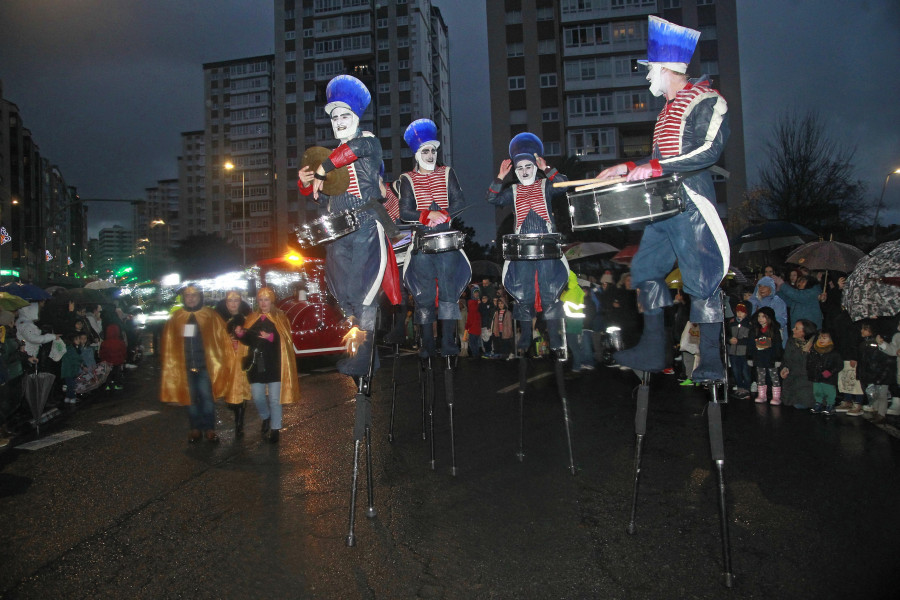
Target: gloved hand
749,363
777,364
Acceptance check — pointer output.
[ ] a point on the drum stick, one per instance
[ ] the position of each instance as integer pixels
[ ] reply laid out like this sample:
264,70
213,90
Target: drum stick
563,184
600,184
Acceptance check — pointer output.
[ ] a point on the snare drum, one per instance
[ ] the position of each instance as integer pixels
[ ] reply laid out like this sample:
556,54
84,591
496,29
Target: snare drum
443,241
532,246
624,203
326,228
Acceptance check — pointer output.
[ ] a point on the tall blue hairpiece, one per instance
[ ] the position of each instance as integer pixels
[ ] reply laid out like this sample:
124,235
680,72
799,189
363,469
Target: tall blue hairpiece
419,132
668,42
525,145
349,92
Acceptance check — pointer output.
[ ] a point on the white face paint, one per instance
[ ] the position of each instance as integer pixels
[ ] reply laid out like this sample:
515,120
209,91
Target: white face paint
426,158
526,171
656,77
344,123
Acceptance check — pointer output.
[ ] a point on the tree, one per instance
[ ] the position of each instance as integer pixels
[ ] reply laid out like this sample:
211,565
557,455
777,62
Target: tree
206,254
473,250
809,177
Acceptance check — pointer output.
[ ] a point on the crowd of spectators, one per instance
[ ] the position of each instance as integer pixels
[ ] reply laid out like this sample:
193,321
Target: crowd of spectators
86,347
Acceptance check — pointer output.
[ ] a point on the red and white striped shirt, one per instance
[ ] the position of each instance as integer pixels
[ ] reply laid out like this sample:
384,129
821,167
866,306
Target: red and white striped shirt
528,198
669,130
430,187
353,187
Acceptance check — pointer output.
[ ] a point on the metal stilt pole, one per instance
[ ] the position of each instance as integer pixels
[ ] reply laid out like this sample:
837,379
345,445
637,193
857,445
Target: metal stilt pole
448,396
523,379
640,429
567,419
717,447
393,390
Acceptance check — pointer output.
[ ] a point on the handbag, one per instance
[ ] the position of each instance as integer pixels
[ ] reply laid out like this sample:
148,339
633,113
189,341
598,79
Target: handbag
250,360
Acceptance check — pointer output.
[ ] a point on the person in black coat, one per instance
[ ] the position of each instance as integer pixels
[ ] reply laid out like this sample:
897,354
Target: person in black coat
875,371
822,367
764,352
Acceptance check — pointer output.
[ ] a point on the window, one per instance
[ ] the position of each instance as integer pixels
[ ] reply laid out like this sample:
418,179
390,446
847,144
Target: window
709,67
513,17
592,141
550,115
518,117
577,6
384,44
548,80
384,110
517,82
545,13
586,35
403,42
547,46
670,4
381,23
384,88
588,69
290,35
402,64
707,32
515,49
627,102
705,2
552,149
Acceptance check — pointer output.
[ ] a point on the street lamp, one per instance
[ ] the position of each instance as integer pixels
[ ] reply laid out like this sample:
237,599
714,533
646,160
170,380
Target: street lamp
881,199
228,167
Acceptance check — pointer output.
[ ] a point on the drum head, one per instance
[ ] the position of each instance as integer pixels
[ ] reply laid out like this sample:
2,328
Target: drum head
337,181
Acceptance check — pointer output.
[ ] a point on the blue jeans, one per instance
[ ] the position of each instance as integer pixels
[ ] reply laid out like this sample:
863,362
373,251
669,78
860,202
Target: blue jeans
741,371
268,406
587,347
475,345
576,346
202,411
70,387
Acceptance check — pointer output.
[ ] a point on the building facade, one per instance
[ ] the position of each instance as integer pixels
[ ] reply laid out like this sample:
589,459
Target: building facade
241,203
567,71
115,248
192,185
398,48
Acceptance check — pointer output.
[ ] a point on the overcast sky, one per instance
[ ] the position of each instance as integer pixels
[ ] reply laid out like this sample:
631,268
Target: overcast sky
107,86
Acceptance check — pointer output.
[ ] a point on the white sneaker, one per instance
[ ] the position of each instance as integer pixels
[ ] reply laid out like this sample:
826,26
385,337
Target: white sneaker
894,408
868,408
130,366
753,387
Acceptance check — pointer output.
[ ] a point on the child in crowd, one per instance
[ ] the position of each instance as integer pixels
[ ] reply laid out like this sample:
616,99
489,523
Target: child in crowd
71,366
822,367
875,371
114,350
765,352
689,345
892,349
739,330
797,389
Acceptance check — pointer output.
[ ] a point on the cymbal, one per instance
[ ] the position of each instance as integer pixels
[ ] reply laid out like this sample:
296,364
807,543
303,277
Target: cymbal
336,181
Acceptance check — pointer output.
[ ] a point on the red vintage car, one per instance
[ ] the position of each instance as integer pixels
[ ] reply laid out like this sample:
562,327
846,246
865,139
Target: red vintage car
317,323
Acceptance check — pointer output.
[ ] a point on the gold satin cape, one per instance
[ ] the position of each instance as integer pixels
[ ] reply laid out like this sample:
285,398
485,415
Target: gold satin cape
220,356
290,382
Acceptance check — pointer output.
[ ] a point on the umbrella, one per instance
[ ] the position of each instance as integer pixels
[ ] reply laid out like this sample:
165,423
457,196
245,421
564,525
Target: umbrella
624,256
100,284
869,291
82,296
826,256
37,389
675,282
12,302
585,249
54,288
486,268
772,235
26,291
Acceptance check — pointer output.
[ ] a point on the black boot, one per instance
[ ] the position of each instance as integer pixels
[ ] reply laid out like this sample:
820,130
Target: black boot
239,418
710,367
265,426
650,352
273,436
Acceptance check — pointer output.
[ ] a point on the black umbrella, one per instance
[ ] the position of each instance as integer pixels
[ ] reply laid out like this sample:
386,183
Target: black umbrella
826,256
81,296
37,389
772,235
486,268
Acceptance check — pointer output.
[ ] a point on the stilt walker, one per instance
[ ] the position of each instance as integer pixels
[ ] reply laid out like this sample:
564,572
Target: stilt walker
689,137
360,263
534,265
437,270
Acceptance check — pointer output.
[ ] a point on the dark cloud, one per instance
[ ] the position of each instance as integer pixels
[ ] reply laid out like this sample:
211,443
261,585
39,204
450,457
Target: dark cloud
106,86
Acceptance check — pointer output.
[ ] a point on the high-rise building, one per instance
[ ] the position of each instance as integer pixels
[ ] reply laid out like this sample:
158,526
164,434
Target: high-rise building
192,185
567,71
116,248
398,48
241,204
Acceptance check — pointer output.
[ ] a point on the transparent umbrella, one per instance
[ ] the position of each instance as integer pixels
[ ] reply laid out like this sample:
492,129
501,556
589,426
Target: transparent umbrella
37,389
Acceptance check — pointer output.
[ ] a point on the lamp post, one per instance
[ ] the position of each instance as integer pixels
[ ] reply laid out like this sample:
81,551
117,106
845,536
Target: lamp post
881,199
228,167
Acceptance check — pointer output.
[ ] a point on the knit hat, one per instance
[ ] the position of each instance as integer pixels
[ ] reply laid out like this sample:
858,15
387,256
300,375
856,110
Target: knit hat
743,307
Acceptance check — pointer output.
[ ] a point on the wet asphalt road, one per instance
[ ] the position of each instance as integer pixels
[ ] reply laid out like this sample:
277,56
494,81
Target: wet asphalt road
133,511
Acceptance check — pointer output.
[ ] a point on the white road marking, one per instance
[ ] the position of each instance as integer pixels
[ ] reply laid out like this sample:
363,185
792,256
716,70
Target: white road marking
56,438
130,417
515,386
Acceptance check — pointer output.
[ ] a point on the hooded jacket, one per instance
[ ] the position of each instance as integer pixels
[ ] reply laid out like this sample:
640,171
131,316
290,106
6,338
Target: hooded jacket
28,331
113,349
772,301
